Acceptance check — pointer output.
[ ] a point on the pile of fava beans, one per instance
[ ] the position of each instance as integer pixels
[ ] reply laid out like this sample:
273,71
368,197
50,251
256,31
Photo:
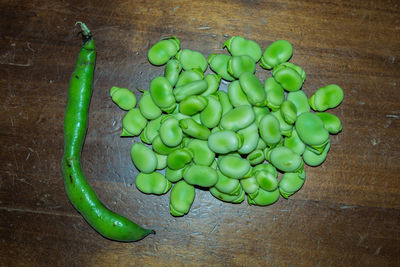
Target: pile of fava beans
252,139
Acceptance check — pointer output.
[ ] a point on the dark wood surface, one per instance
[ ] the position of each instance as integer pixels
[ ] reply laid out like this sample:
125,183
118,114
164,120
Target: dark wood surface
347,213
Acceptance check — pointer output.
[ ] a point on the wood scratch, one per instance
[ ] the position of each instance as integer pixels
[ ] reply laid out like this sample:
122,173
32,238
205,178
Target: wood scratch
39,212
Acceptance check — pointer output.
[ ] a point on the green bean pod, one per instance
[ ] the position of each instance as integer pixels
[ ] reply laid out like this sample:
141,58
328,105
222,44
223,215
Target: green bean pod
240,64
133,123
194,129
152,183
189,89
203,176
253,89
109,224
181,198
211,115
144,158
148,108
172,71
219,64
326,97
225,141
163,50
192,59
124,98
276,53
239,46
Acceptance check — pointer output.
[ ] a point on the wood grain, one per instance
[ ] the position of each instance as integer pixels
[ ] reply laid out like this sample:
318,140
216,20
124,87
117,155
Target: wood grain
347,213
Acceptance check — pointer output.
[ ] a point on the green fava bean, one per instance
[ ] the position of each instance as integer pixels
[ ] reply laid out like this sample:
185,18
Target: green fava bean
264,198
313,159
240,64
152,183
124,98
151,130
202,154
250,138
261,144
162,51
148,108
227,197
144,158
133,123
196,118
170,132
276,53
179,158
211,115
192,59
228,185
219,64
174,175
331,122
288,112
294,143
274,93
239,46
225,141
298,69
189,89
193,104
300,100
250,185
326,97
203,176
234,166
181,198
267,181
288,78
260,112
290,183
269,168
172,71
236,95
161,93
256,157
225,103
269,129
284,159
189,76
161,161
286,128
311,130
194,129
160,147
238,118
213,82
253,89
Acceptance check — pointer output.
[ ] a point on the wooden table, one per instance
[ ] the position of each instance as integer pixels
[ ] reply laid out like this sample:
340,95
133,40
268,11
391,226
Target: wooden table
346,214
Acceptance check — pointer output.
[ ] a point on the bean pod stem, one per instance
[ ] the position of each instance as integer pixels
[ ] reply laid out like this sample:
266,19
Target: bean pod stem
109,224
